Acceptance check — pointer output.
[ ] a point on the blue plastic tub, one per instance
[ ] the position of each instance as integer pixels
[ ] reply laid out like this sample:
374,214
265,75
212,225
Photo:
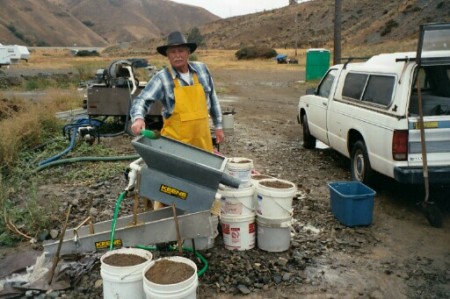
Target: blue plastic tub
352,203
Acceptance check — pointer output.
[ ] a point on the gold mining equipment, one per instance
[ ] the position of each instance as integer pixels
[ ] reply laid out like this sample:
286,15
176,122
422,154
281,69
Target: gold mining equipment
112,91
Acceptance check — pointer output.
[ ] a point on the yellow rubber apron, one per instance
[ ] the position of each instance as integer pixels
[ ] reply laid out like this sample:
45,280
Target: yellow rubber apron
189,120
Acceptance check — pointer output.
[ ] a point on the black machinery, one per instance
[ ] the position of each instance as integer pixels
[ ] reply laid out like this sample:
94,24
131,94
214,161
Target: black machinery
114,88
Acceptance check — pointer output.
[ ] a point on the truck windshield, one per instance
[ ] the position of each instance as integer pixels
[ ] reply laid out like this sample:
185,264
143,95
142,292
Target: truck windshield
326,84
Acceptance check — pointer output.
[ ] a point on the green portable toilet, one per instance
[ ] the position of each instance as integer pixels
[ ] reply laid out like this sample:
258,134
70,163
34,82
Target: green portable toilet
317,63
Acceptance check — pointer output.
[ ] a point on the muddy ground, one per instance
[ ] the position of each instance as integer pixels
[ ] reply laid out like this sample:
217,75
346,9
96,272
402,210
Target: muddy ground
398,256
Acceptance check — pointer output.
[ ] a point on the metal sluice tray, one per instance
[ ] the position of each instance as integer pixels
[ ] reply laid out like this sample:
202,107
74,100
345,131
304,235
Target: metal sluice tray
180,173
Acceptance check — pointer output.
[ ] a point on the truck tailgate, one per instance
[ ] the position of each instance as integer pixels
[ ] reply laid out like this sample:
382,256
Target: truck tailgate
437,137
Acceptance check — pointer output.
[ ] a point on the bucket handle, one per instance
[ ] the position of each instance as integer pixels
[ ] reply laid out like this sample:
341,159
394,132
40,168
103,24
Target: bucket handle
291,211
130,273
250,208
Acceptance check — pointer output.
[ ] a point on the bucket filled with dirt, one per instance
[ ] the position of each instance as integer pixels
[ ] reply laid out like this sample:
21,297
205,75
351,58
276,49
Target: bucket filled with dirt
170,277
121,271
274,198
258,177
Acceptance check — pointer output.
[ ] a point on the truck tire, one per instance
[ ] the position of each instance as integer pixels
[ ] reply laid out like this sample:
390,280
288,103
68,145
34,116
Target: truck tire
309,141
360,164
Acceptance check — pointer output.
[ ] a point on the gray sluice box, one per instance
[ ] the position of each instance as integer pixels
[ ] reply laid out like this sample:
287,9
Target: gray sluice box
180,173
151,228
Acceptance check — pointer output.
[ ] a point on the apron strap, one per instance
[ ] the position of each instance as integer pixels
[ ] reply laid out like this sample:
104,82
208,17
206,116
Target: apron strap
177,83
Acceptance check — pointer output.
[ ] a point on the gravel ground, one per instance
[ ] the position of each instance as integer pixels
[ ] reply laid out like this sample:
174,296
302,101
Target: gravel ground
398,256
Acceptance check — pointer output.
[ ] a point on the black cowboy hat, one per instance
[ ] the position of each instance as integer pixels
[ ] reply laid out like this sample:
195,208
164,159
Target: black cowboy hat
176,38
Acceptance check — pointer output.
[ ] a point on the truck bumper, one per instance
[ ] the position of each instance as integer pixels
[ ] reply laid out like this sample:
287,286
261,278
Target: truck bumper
415,175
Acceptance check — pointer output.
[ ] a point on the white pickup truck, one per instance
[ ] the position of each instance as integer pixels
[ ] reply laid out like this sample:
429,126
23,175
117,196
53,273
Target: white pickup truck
369,112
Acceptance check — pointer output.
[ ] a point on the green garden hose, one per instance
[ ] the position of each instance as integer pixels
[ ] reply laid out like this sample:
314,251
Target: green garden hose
116,212
113,228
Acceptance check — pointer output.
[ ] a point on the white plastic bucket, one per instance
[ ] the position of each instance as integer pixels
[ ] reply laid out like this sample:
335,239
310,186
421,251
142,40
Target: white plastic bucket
228,121
238,231
273,235
205,242
275,202
123,282
186,289
237,201
240,168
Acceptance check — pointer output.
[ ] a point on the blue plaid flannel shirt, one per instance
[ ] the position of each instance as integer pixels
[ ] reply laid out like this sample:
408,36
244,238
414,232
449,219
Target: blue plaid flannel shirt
160,88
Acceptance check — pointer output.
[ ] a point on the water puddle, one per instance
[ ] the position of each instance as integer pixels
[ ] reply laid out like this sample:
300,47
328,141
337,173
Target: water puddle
321,145
229,99
31,274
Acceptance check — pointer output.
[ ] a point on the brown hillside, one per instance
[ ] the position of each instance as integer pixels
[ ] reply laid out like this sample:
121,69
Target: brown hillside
93,22
123,21
36,22
363,22
309,24
375,26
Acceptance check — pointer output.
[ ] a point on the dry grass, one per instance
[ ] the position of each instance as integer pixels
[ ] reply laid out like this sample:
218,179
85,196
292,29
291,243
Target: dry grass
225,59
86,66
24,124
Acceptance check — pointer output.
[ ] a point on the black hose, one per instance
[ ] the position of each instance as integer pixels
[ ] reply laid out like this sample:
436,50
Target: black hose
85,159
68,149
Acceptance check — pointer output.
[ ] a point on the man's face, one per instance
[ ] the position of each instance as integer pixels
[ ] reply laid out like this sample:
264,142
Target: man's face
178,57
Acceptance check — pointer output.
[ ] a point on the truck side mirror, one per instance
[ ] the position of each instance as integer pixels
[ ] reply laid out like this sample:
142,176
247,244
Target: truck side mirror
311,91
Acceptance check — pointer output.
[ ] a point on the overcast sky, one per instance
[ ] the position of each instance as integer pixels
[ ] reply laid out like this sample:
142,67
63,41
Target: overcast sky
230,8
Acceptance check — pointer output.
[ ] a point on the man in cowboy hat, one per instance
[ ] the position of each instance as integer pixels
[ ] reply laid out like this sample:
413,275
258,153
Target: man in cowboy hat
187,93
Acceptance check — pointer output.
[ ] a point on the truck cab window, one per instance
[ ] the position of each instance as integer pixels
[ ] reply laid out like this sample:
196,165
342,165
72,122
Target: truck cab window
354,85
327,83
379,90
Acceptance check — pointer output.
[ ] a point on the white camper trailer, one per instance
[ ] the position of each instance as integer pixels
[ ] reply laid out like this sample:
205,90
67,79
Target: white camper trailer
4,59
11,54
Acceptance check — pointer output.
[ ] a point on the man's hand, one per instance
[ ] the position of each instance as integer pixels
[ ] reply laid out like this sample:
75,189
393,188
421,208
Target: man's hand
220,136
138,126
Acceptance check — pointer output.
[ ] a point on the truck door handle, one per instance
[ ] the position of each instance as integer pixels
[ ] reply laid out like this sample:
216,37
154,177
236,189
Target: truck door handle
324,103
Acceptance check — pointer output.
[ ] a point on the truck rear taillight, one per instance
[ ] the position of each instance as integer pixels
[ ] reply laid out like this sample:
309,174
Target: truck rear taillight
400,145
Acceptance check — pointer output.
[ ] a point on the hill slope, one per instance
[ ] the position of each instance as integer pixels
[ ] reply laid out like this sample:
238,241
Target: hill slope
93,22
145,22
310,24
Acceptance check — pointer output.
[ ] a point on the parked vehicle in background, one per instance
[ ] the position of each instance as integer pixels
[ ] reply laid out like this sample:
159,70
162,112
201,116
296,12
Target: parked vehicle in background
12,54
369,112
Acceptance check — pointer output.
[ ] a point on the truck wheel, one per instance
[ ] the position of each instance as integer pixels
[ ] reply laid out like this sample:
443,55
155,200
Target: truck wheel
309,141
360,164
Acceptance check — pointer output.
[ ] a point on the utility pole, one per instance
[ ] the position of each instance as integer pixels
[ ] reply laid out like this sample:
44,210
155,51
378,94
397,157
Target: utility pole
296,33
337,31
